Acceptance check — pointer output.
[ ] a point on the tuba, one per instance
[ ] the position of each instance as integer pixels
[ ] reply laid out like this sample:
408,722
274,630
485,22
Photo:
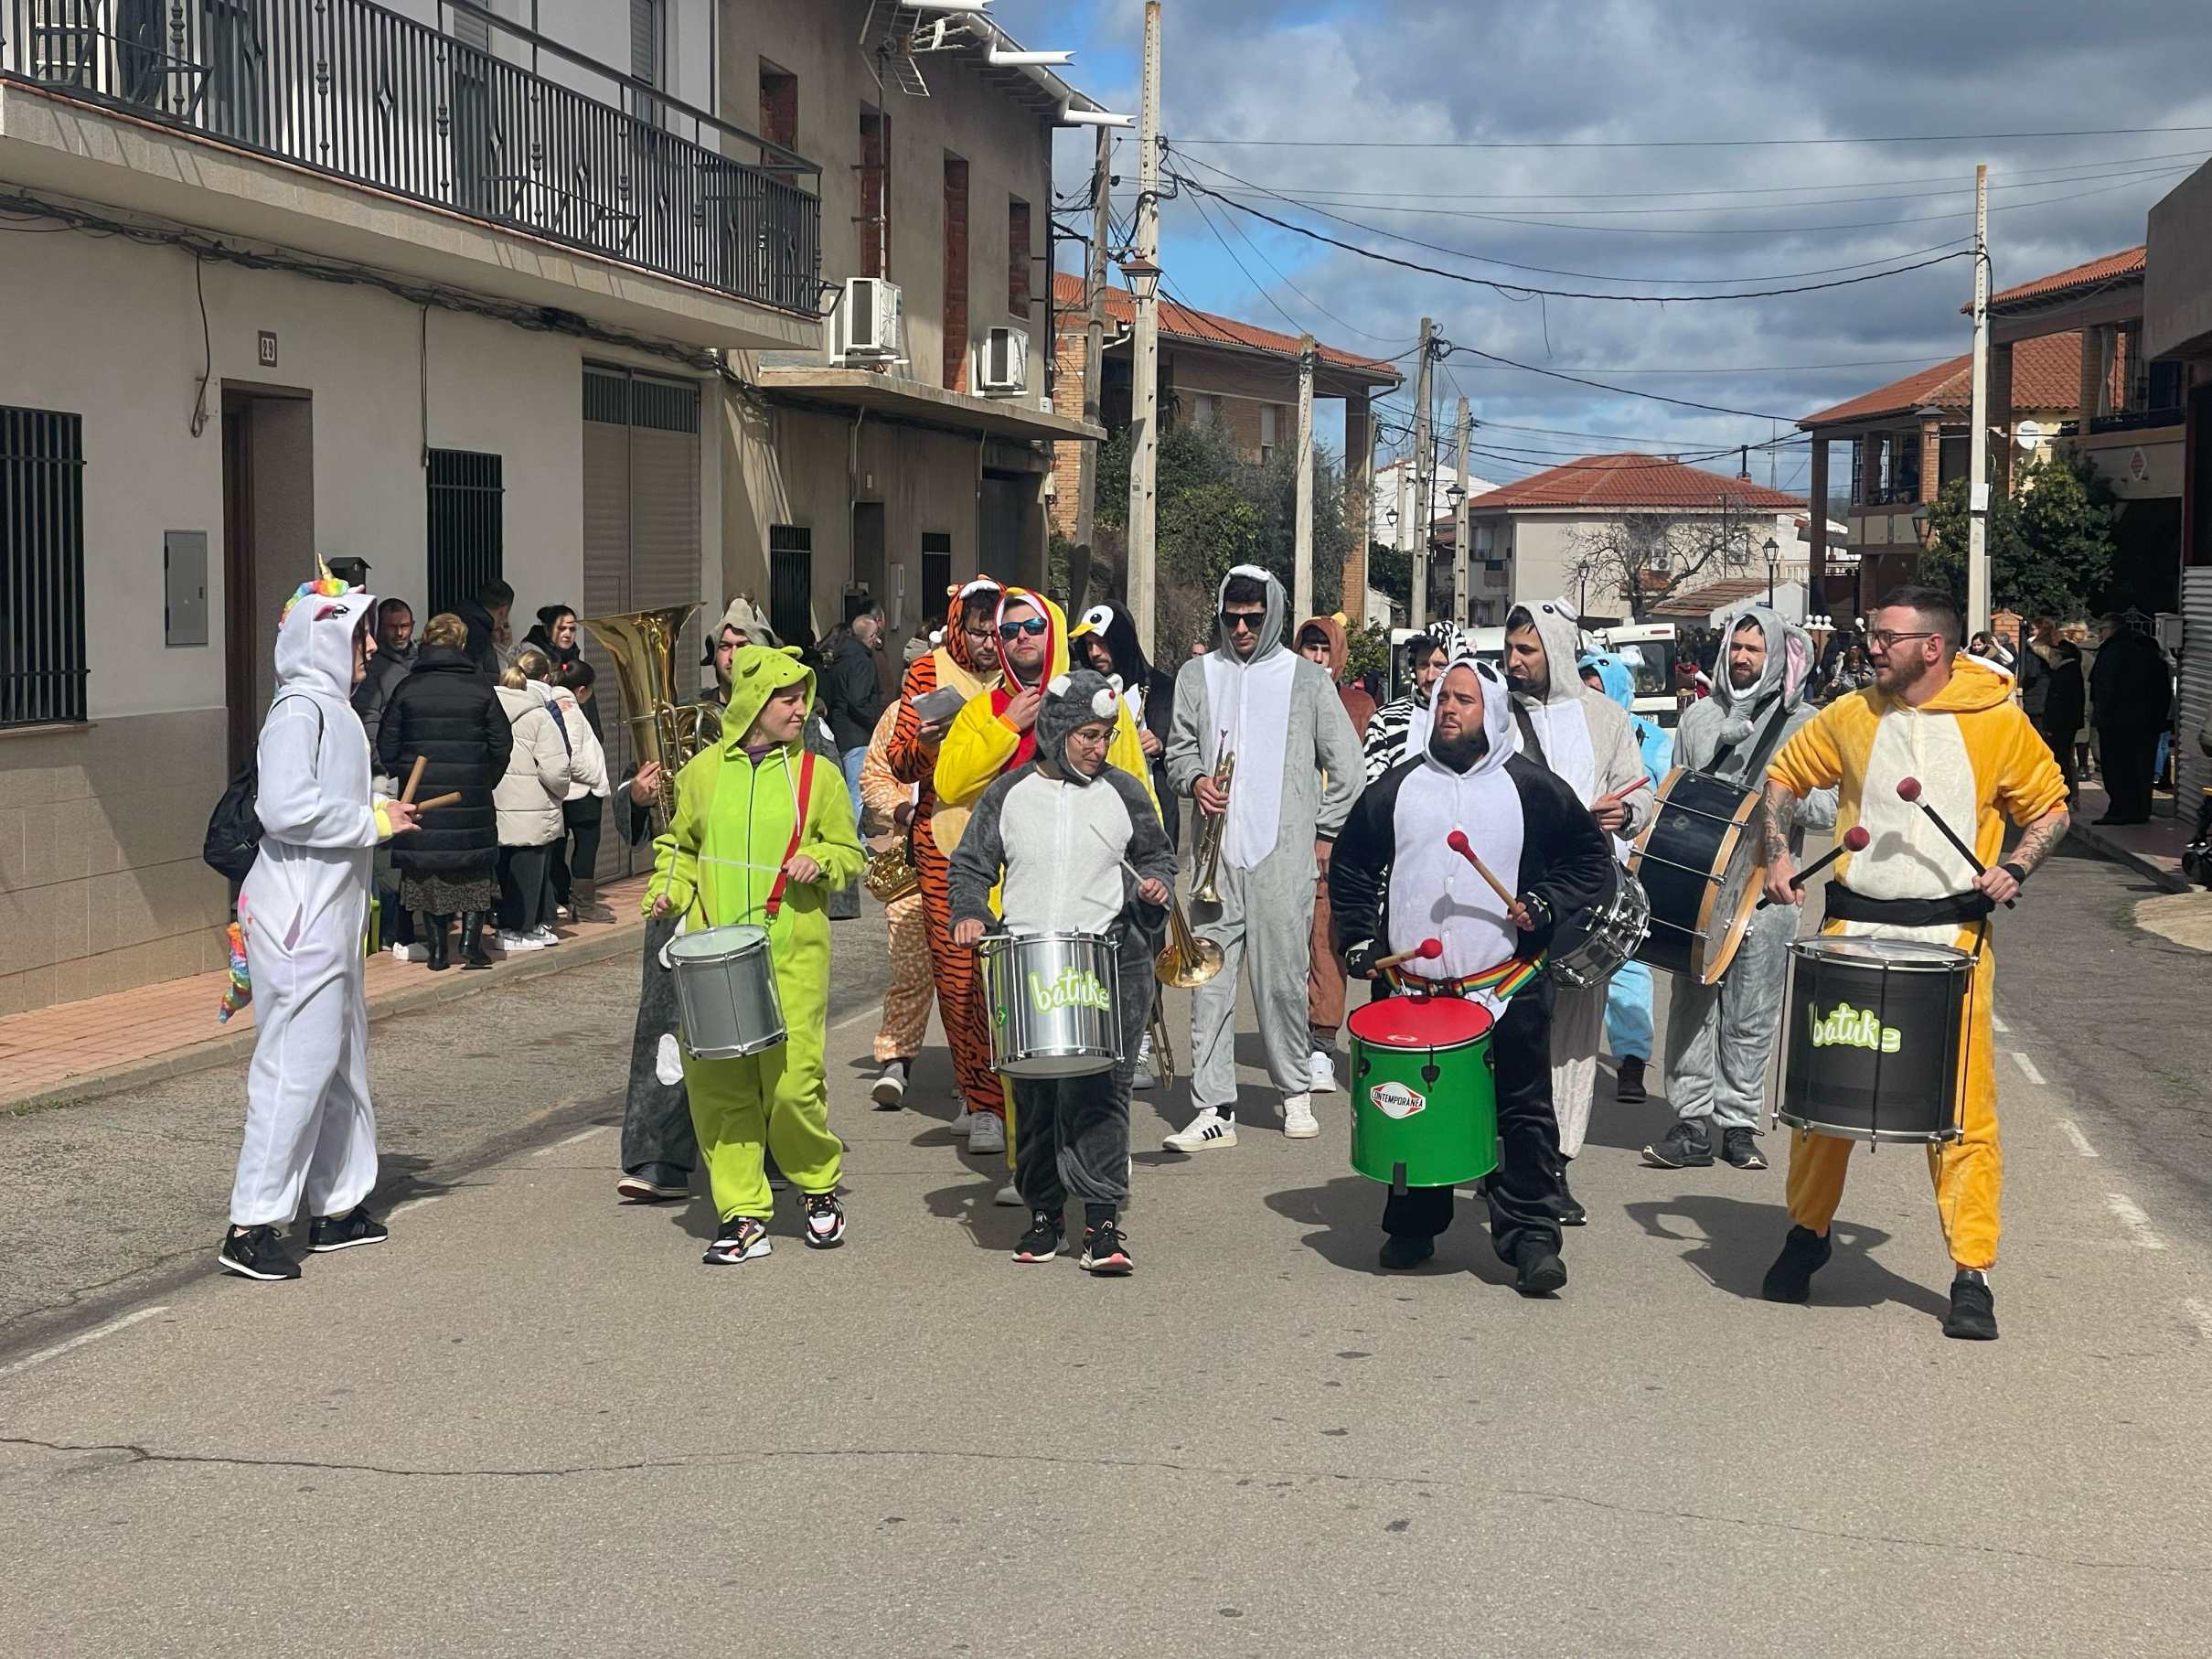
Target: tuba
664,727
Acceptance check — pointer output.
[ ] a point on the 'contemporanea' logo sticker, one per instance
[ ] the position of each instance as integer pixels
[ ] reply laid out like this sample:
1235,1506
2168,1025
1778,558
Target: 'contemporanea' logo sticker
1395,1100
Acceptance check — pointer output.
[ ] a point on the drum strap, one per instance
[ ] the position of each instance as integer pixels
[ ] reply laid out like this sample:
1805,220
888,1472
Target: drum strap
799,827
1501,982
1953,909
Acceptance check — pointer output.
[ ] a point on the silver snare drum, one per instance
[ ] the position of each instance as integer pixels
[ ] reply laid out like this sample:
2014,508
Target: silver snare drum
1051,1000
1592,947
725,993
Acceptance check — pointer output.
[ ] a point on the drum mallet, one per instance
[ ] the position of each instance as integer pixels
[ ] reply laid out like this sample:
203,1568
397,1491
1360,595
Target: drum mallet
1457,840
435,801
414,777
1854,840
1908,791
1427,950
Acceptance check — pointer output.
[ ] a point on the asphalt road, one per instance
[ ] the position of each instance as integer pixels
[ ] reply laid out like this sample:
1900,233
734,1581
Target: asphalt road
534,1424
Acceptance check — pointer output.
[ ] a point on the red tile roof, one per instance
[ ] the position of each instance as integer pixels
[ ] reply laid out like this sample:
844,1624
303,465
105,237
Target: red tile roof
1695,603
1071,295
2128,262
2046,374
1631,480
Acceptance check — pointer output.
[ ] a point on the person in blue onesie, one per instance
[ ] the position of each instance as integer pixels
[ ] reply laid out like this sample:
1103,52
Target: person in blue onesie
1627,1003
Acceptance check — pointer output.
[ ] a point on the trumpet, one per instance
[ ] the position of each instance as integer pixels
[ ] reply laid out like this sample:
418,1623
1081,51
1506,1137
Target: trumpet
1187,960
1205,858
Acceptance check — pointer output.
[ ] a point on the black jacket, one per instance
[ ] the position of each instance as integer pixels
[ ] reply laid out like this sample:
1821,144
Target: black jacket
539,639
385,671
2129,686
448,712
2051,692
852,695
482,650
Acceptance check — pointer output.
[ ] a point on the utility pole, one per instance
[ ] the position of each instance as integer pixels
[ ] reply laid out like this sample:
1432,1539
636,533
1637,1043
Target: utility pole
1425,480
1462,610
1093,344
1404,540
1301,579
1977,477
1143,465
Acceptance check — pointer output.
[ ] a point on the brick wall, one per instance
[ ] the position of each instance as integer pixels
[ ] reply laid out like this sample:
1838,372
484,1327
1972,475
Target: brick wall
1067,400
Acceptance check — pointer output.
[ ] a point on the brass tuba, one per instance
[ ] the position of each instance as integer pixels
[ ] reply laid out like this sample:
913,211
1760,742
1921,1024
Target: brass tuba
1205,858
664,725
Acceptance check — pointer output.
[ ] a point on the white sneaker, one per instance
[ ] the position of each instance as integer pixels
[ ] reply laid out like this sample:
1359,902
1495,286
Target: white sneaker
1006,1198
516,943
965,1121
1298,1121
410,953
1207,1130
1321,1068
987,1135
546,937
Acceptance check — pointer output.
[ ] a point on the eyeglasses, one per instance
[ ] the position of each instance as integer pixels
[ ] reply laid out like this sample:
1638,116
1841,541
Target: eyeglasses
986,632
1032,625
1238,622
1881,639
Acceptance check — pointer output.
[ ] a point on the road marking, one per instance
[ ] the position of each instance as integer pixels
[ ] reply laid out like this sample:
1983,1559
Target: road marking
2028,1067
2200,1311
1998,1025
412,1203
597,1128
58,1349
2080,1140
855,1017
2129,1214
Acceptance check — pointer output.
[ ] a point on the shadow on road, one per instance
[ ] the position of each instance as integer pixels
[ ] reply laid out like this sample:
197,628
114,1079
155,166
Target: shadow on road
1347,1213
1732,1241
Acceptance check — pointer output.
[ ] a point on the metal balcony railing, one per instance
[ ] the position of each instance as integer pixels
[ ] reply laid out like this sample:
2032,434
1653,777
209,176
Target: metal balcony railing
522,133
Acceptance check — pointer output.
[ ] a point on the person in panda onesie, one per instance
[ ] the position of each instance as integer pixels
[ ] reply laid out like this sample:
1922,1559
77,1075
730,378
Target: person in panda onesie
310,1129
1395,881
1586,742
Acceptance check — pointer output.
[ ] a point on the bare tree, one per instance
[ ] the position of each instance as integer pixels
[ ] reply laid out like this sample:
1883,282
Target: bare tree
1647,558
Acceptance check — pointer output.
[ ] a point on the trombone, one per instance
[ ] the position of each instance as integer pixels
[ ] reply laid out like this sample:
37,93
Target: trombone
1187,960
1205,857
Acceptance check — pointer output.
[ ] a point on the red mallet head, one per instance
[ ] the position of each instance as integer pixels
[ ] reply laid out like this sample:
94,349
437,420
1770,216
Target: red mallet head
1456,841
1428,950
1908,789
1855,839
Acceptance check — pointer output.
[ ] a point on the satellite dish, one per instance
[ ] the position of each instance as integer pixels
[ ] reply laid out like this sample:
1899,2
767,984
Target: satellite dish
2029,434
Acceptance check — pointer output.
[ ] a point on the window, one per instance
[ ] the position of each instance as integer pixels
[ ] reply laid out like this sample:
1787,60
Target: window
936,573
1268,429
873,219
467,537
791,582
1018,257
471,30
779,106
956,273
649,52
42,660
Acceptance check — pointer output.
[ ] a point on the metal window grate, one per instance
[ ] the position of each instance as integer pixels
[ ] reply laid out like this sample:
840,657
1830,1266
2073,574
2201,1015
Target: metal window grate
937,572
790,582
468,538
42,655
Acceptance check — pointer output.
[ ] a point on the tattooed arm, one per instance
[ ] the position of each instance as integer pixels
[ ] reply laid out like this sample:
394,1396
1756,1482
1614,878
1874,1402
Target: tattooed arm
2036,845
1777,809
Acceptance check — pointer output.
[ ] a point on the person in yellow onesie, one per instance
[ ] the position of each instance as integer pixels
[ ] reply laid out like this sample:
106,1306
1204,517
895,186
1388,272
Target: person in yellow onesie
1951,723
763,834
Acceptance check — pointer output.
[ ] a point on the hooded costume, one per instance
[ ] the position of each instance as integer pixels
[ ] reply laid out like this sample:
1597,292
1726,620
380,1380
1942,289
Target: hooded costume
1628,996
1590,747
908,995
1151,693
1979,762
1399,729
1395,881
301,911
738,819
1325,969
1298,771
1719,1037
1052,841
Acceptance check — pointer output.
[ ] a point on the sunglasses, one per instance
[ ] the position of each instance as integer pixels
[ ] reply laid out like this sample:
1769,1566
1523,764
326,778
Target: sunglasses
1238,622
1032,625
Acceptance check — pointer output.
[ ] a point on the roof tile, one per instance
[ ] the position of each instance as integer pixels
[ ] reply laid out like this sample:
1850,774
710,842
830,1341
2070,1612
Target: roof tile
1071,295
1631,480
2047,375
2128,262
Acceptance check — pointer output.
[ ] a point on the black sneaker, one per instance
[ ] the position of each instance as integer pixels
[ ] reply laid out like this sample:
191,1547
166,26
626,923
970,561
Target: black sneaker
1804,1253
1106,1252
1566,1209
1541,1270
742,1239
654,1184
825,1220
1628,1083
1683,1147
257,1253
343,1232
1741,1148
1405,1250
1973,1310
1046,1238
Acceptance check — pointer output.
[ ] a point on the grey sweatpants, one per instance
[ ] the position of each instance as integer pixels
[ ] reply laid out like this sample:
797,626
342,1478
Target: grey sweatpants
1263,924
1071,1134
1577,1020
1719,1037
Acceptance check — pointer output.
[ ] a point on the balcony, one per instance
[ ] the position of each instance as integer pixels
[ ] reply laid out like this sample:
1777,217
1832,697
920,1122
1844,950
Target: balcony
517,132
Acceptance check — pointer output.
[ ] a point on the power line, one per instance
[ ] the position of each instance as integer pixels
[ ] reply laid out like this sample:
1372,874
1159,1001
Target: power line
1672,144
1261,255
1626,392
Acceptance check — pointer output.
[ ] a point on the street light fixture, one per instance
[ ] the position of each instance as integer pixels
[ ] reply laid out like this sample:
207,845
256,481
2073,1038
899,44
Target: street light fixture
1455,493
1774,567
1143,275
1390,516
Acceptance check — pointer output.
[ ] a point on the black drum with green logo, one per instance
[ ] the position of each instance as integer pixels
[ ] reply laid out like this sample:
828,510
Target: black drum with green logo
1877,1035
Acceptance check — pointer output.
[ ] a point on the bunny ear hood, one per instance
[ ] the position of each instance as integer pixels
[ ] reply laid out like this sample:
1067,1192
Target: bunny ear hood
314,638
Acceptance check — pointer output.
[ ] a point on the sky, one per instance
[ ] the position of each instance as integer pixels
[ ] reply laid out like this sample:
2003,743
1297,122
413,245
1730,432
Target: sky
1598,120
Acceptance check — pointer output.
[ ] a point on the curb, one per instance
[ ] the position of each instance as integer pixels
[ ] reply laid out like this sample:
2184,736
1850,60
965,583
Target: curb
620,940
2170,878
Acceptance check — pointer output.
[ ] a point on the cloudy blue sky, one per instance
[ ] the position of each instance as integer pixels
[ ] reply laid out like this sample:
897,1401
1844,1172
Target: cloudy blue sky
1642,217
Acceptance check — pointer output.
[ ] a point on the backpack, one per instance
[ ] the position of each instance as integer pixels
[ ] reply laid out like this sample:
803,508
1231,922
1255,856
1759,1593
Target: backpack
234,828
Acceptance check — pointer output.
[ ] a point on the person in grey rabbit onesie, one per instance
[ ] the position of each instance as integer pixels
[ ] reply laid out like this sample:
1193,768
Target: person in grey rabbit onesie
1298,769
1719,1036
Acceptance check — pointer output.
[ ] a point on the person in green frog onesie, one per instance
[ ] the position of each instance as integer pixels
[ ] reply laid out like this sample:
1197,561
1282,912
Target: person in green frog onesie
763,834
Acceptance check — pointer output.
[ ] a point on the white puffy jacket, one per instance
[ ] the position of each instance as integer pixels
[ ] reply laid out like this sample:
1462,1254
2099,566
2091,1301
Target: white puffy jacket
539,772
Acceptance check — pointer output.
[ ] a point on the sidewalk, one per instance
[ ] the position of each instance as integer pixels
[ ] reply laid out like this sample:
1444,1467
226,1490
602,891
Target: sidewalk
2152,849
74,1050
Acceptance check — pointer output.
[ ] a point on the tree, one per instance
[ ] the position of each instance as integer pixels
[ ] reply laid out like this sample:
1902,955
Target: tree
1647,558
2050,545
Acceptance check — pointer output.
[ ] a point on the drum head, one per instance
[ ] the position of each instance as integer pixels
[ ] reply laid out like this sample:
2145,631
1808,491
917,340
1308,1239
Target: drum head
1408,1021
711,942
1904,956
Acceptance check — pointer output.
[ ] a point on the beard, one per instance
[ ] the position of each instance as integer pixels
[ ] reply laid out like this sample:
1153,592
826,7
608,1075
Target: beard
1459,753
1897,677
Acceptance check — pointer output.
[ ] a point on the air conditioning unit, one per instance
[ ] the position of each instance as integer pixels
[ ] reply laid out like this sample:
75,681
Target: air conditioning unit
1003,363
866,325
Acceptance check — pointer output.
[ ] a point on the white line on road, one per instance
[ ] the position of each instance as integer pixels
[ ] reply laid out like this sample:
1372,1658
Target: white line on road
412,1203
2028,1067
2200,1311
597,1128
58,1349
1998,1025
2080,1140
2129,1214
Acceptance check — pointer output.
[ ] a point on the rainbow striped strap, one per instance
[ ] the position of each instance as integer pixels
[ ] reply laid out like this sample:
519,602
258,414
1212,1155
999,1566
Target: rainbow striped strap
1501,982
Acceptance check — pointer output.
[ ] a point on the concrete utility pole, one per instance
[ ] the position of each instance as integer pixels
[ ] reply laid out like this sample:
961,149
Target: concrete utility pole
1094,344
1143,465
1301,580
1977,477
1425,480
1462,611
1404,540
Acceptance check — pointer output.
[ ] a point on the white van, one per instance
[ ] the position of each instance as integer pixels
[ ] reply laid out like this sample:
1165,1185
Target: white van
1648,648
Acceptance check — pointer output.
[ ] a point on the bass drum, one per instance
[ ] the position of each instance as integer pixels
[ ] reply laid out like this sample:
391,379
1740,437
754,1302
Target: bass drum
1698,860
1052,1001
1591,945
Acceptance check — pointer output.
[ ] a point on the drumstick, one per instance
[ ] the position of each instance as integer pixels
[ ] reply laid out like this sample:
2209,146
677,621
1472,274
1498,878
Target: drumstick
435,801
1854,840
414,777
1427,950
1908,791
1457,840
1616,796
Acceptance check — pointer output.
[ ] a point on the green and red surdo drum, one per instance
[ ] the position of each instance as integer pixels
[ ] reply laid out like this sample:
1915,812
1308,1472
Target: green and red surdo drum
1424,1103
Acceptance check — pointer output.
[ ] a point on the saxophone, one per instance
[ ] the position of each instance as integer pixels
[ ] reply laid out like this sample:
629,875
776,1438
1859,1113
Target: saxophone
662,727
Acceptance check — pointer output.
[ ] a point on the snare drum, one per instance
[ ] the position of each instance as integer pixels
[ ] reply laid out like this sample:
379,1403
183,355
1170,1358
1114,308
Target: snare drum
1053,1002
725,991
1423,1104
1875,1028
1591,945
1699,863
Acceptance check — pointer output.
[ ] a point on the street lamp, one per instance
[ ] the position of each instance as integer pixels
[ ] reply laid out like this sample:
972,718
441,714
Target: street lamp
1919,524
1143,275
1774,567
1454,494
1391,518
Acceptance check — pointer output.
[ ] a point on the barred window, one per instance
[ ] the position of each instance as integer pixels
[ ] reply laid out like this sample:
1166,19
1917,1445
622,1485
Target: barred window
791,582
42,654
468,538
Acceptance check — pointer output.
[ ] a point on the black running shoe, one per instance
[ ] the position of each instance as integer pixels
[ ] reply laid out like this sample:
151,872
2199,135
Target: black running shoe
777,1180
825,1220
1628,1083
257,1253
1566,1209
1973,1310
742,1239
1741,1148
1683,1147
1405,1250
1046,1238
343,1232
1804,1253
1541,1270
1106,1252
